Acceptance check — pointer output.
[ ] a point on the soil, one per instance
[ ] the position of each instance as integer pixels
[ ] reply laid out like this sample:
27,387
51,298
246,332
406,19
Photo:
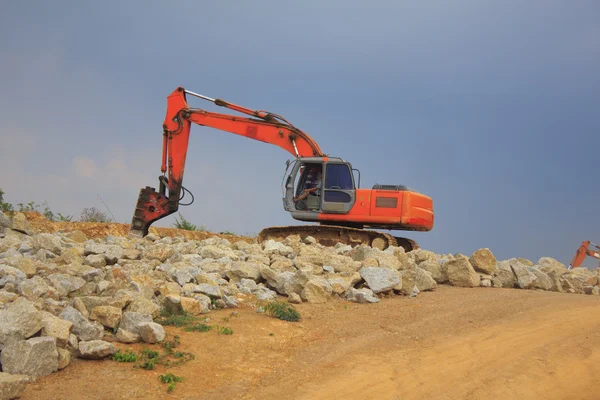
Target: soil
452,343
94,230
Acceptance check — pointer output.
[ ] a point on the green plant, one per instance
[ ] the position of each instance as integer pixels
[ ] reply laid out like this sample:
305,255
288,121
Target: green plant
169,378
283,311
200,327
4,206
223,330
64,218
127,356
184,224
93,215
169,345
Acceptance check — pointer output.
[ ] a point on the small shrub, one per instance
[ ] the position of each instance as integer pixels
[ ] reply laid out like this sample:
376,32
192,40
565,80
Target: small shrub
223,330
169,378
200,327
283,311
169,345
127,356
64,218
184,224
93,215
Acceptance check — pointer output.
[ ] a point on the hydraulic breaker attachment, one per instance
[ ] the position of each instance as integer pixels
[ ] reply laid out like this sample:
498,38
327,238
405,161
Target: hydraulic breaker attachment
152,206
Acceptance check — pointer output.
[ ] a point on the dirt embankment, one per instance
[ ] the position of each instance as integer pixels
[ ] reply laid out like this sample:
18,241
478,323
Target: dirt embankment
453,343
95,230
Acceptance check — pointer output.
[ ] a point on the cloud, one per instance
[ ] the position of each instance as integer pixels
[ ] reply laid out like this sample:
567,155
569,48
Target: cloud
84,166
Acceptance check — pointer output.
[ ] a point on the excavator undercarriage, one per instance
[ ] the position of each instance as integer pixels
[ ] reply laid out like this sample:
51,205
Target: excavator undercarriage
330,235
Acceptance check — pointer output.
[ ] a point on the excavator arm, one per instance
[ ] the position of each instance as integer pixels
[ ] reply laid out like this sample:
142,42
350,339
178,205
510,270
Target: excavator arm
582,252
267,127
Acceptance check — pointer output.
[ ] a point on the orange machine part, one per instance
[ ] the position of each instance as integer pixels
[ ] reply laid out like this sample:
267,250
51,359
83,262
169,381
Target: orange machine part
402,209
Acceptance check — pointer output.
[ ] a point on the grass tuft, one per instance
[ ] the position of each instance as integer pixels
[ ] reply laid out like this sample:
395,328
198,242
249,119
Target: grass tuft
283,311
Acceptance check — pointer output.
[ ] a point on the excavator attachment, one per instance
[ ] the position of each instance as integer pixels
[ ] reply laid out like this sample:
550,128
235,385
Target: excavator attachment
584,251
152,206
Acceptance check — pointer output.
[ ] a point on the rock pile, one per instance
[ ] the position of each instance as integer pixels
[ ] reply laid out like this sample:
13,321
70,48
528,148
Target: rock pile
64,296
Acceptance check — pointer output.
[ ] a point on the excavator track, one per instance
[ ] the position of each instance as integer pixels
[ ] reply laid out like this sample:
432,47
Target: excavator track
330,235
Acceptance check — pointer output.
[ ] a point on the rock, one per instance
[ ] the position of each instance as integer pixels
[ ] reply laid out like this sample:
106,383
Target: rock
91,274
95,261
145,306
484,261
341,283
274,247
131,321
435,269
316,290
20,224
526,262
542,281
211,291
96,349
47,241
214,252
594,290
4,222
381,279
84,329
19,321
159,252
421,255
124,336
244,270
57,328
295,298
33,288
34,357
485,282
77,236
205,303
363,295
28,266
66,284
423,280
64,358
12,385
190,305
276,279
525,278
80,306
461,273
151,332
504,275
108,316
546,264
113,254
185,275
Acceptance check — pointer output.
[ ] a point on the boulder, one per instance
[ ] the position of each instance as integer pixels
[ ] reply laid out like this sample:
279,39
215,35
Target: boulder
542,281
151,332
96,349
483,261
57,328
244,270
132,320
124,336
19,321
316,290
525,278
84,329
64,358
435,269
108,316
34,357
145,306
461,273
381,279
363,295
20,224
503,274
12,385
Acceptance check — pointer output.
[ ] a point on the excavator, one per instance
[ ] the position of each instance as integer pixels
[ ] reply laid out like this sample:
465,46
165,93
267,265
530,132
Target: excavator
316,187
584,251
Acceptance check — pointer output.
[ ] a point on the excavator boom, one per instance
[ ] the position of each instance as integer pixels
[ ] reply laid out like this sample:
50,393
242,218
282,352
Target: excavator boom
269,128
584,251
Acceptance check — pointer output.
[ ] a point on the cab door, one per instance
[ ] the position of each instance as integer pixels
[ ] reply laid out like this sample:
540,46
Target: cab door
339,193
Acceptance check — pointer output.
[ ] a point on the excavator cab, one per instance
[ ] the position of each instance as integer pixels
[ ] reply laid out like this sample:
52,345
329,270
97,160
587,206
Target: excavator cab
318,185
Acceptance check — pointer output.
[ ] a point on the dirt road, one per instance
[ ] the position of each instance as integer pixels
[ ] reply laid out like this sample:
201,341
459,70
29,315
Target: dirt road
453,343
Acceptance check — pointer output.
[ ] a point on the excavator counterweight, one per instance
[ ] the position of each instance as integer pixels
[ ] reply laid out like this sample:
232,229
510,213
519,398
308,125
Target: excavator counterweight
318,188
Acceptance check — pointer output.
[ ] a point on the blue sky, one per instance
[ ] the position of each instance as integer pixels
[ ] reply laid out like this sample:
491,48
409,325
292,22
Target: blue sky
491,108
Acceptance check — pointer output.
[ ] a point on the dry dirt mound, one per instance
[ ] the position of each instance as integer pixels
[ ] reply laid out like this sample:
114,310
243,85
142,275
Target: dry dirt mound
95,230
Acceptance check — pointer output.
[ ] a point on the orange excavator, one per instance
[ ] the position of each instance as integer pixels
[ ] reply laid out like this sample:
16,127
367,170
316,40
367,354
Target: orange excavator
316,187
584,251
